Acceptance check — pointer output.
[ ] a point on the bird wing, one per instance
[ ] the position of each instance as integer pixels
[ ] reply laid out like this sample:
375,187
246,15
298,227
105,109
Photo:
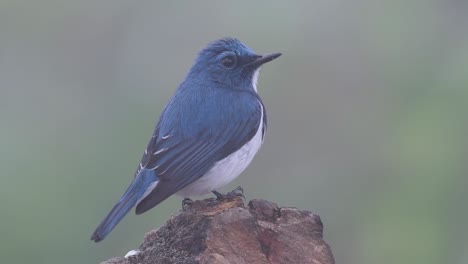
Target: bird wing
180,161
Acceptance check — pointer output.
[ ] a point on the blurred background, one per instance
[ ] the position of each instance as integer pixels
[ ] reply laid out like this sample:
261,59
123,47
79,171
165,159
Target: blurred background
367,119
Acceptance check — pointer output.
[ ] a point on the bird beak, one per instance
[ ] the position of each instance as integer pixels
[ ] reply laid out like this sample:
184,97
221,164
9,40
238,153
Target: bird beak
263,59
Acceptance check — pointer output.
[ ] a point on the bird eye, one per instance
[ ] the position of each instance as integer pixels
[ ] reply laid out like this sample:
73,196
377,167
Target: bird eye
229,62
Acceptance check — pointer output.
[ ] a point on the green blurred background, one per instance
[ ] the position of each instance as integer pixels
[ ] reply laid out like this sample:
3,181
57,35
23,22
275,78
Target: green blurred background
367,119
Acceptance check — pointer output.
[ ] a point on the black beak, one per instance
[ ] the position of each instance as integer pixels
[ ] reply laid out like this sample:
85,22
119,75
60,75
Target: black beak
263,59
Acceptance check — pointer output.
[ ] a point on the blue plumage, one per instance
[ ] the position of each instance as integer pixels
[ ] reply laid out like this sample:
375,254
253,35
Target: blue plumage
206,135
128,200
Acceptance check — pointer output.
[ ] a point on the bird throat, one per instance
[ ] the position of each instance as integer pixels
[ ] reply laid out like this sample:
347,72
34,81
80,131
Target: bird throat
255,79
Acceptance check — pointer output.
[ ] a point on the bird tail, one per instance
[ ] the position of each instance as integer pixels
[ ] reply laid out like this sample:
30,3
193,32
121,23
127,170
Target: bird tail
141,186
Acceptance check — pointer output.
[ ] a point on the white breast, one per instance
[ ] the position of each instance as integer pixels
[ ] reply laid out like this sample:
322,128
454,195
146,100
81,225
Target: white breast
227,169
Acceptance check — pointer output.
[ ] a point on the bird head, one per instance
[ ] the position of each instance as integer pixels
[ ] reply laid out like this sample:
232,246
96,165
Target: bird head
229,63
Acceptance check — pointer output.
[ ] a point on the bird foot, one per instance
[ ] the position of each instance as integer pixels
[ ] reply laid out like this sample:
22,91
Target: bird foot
239,191
187,202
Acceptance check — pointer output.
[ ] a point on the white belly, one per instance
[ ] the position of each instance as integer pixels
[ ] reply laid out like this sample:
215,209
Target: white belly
227,169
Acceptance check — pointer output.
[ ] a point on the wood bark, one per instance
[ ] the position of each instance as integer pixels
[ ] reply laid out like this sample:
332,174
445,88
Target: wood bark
227,231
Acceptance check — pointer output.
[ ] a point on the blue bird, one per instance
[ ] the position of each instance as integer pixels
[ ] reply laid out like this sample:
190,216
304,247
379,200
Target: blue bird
207,134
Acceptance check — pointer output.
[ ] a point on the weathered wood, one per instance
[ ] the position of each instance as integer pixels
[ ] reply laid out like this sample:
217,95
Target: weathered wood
226,231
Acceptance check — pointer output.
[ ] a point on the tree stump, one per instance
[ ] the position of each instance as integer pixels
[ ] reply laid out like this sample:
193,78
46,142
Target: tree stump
226,231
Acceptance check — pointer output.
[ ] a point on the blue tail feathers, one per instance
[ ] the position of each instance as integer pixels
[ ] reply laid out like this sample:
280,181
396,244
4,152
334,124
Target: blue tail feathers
134,193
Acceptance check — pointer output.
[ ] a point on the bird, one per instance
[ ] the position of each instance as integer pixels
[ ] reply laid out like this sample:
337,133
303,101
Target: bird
207,134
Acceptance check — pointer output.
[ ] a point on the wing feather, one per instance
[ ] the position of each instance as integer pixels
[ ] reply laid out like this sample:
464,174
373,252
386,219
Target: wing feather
186,159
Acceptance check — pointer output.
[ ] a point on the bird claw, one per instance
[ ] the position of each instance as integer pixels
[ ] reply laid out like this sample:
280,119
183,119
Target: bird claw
237,192
187,202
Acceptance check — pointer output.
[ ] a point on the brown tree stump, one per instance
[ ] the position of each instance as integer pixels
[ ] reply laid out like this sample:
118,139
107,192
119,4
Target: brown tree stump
226,231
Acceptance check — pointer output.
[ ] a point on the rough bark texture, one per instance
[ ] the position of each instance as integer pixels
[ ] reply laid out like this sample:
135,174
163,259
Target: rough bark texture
226,231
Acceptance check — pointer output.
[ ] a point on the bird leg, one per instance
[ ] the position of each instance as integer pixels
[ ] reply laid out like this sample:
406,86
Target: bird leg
239,191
